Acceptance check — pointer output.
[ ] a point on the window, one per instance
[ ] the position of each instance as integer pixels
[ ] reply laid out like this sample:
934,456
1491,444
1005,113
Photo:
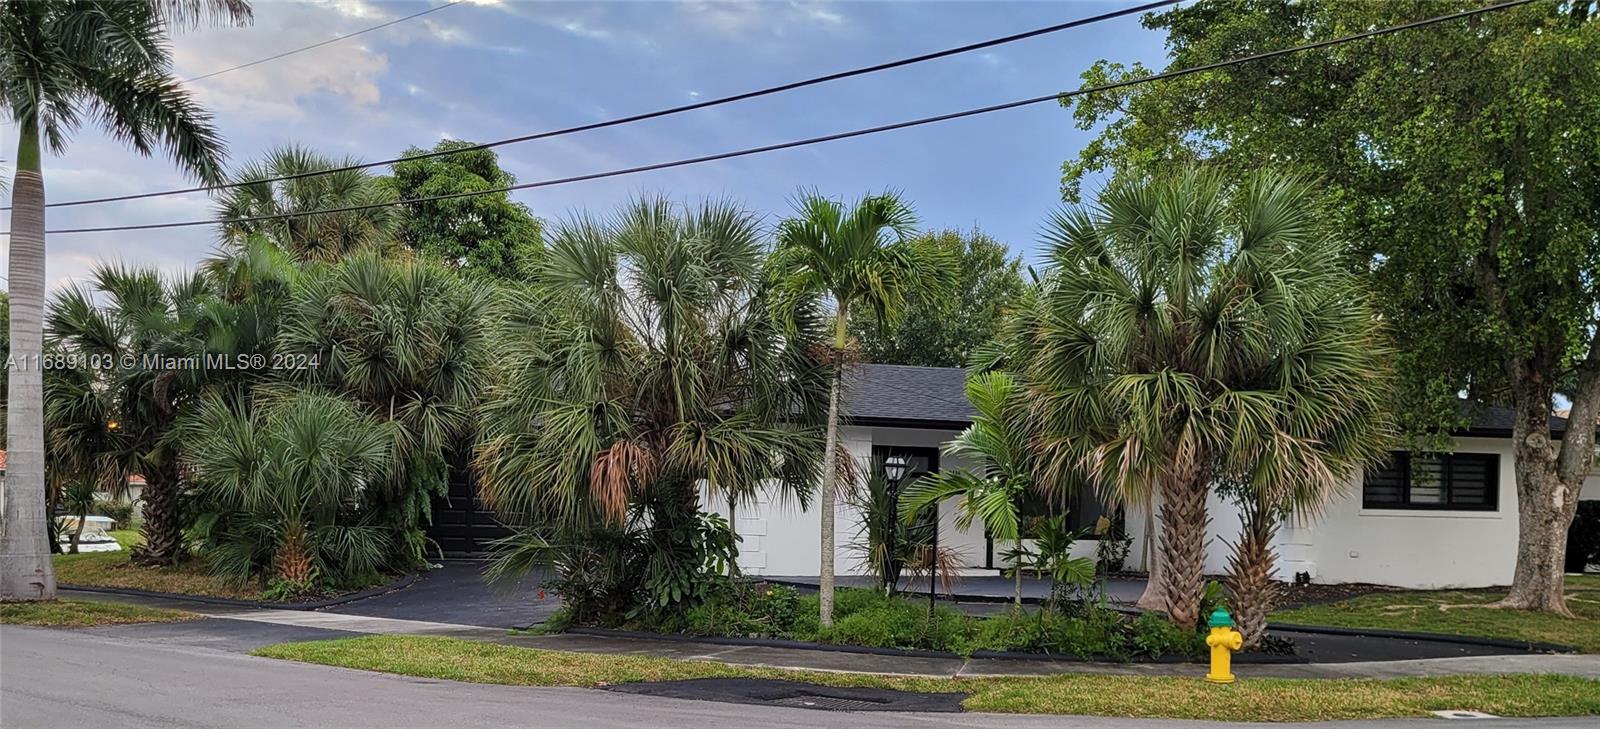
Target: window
1454,481
1083,508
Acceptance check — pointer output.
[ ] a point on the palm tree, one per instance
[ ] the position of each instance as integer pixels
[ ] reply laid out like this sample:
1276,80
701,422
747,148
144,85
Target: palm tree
308,236
1179,340
645,366
860,257
58,63
148,326
410,341
289,473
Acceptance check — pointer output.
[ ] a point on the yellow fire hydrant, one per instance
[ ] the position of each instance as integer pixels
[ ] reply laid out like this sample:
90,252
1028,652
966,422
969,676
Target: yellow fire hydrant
1224,640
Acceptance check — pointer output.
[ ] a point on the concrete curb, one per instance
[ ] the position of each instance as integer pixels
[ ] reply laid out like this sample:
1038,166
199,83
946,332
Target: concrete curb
399,584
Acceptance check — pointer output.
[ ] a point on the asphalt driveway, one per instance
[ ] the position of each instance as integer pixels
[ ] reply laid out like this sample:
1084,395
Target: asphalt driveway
458,593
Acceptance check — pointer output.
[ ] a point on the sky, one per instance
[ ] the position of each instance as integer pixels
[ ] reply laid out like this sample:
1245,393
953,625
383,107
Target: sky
489,69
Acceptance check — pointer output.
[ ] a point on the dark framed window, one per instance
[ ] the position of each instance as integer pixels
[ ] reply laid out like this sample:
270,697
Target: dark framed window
1450,481
1083,509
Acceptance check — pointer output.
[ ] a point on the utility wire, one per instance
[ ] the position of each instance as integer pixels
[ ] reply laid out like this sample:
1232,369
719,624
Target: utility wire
330,41
653,114
839,135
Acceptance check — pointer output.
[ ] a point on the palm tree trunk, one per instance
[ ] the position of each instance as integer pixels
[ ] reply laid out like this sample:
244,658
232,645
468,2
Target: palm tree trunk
1183,542
1016,571
163,526
830,469
25,569
1250,574
1154,596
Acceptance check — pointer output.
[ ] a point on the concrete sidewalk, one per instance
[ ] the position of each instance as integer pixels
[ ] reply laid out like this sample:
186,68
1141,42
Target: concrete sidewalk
321,625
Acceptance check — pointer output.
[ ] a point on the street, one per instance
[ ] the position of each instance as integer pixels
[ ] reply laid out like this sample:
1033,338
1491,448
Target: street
56,678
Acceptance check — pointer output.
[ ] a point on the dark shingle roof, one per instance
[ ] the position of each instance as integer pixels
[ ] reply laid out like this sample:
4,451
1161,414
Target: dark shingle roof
909,397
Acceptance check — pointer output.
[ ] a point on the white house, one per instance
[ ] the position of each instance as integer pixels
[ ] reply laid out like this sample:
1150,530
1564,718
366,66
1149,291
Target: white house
1447,521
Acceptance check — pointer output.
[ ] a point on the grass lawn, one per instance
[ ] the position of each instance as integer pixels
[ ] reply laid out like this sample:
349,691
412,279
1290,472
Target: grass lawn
1459,612
83,613
112,569
1128,696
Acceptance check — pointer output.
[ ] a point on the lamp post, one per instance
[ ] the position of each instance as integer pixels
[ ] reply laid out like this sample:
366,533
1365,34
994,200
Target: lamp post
933,561
894,469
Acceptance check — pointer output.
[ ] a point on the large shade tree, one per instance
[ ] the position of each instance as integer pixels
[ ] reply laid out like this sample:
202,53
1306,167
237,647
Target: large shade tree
1463,166
860,256
648,365
59,63
1190,331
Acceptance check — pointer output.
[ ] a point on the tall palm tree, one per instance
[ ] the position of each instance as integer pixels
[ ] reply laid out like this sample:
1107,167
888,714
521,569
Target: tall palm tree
645,366
307,236
860,256
58,63
1190,332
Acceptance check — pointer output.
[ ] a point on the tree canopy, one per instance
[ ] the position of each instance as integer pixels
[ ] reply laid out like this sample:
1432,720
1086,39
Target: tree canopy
490,234
947,329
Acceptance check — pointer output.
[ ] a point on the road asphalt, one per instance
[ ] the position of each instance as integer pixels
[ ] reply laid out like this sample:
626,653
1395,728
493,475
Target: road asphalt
56,678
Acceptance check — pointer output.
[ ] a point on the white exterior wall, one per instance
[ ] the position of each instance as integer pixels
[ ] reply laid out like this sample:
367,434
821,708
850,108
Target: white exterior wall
1406,548
779,538
1416,549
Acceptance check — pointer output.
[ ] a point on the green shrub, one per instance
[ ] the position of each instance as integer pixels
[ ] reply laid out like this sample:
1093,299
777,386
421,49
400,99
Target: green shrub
746,609
1014,630
1154,636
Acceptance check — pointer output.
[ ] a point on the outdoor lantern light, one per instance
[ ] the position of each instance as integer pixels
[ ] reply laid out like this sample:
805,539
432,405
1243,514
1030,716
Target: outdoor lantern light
894,469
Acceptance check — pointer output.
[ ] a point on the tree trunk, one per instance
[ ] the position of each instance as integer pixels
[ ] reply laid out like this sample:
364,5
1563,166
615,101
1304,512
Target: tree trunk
830,482
830,466
163,525
1251,569
25,569
1183,542
1016,572
1549,478
1154,596
77,532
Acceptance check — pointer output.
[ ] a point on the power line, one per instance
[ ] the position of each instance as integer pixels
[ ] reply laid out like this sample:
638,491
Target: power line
839,135
653,114
302,49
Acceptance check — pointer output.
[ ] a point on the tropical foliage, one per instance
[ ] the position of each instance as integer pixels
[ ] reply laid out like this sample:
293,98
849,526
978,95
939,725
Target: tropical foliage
291,476
321,213
112,414
1191,331
860,256
646,367
947,330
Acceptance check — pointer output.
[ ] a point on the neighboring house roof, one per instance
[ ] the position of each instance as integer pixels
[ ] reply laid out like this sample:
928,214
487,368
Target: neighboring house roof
904,396
2,461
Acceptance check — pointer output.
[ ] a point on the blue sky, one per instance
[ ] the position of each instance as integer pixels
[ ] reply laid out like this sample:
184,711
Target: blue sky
488,70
